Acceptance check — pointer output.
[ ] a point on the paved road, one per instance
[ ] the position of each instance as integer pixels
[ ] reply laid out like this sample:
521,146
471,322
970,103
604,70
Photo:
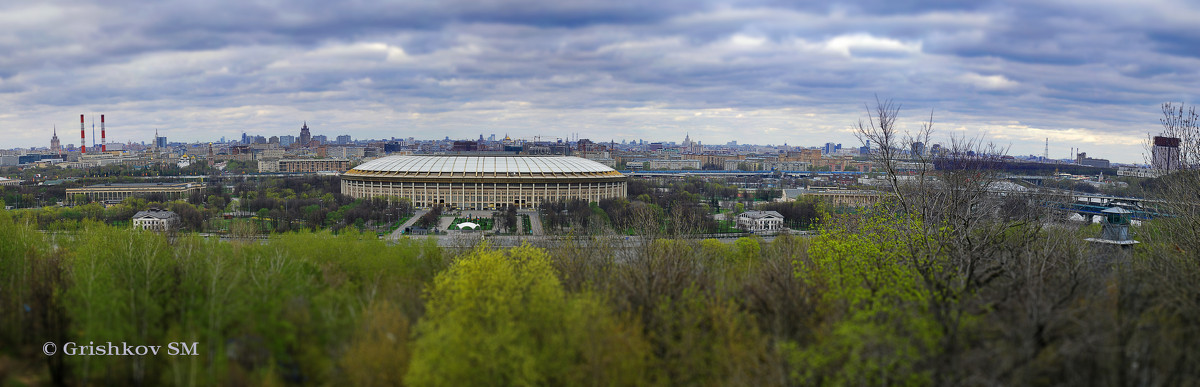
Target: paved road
535,222
444,223
400,230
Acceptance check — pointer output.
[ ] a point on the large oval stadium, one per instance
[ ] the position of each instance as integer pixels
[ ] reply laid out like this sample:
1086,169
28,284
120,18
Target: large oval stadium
483,182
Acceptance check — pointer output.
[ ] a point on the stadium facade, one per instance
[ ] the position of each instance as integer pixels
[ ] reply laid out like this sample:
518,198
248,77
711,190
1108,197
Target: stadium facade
484,182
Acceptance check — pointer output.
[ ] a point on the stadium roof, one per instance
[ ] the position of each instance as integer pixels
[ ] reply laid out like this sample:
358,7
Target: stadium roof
483,167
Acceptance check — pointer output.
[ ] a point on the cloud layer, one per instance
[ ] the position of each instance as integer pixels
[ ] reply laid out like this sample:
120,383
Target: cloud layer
1088,75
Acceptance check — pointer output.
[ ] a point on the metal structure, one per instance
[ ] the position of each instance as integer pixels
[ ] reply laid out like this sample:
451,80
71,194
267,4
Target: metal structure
1115,230
82,136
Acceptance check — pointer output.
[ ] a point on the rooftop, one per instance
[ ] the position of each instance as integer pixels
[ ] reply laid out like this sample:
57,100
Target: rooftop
137,185
154,213
761,214
484,166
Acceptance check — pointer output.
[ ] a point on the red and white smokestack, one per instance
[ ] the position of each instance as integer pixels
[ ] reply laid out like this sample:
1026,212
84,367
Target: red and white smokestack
82,136
103,146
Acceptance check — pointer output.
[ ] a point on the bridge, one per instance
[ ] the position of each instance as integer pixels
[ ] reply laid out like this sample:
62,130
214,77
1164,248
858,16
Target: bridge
1033,179
1094,204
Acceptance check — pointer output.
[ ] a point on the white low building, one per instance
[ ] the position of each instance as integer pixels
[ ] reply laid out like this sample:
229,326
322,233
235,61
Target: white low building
155,220
760,221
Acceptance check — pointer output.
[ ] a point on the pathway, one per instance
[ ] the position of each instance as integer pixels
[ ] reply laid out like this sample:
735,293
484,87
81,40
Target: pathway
400,230
535,221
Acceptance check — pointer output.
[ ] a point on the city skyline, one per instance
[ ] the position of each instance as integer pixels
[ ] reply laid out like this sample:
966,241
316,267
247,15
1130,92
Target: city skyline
1088,76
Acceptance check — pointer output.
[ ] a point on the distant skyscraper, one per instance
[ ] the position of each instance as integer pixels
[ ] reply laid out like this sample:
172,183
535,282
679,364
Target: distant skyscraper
160,142
305,136
287,140
1165,154
345,139
918,148
320,139
55,146
831,148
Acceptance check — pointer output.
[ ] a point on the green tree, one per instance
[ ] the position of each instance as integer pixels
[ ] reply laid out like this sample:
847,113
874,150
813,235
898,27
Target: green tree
880,331
503,318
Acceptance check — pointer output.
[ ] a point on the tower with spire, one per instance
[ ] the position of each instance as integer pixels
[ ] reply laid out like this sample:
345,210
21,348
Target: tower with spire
691,146
55,146
305,135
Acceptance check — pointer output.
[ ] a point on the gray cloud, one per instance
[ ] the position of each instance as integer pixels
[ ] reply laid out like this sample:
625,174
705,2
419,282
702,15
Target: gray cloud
1084,74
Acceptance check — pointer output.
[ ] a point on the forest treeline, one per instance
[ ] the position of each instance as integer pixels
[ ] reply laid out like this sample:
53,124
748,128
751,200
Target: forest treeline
276,204
872,300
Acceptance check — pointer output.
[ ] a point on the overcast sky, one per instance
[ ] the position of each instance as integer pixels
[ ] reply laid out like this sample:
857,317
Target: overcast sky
1084,73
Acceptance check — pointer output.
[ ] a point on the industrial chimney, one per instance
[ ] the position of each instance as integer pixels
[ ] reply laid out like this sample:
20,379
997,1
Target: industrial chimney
103,145
82,136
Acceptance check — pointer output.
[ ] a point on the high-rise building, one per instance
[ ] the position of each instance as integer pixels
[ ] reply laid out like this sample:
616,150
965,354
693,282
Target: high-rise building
286,140
320,139
305,136
55,146
1165,154
161,142
918,148
831,148
345,139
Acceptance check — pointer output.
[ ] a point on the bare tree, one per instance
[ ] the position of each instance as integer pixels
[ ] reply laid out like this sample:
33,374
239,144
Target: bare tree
880,128
1182,122
1179,192
958,241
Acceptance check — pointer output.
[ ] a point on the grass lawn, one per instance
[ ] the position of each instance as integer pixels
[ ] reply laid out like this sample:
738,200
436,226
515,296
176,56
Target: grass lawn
727,227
